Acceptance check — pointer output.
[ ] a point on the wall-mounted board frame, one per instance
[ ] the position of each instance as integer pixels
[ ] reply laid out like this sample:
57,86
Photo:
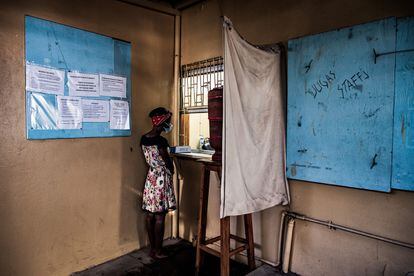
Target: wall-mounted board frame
351,106
54,49
403,147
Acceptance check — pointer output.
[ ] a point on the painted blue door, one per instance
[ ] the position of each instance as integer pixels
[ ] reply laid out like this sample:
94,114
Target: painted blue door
340,106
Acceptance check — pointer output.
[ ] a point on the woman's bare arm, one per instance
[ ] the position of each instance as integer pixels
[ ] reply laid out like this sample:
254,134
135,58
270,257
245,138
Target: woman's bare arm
167,159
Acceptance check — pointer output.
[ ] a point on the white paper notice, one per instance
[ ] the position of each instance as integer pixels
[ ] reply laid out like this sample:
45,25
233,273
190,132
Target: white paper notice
112,86
69,112
44,80
95,111
119,115
83,84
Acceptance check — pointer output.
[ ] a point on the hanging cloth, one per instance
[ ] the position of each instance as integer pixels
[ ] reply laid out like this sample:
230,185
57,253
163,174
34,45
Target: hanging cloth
253,128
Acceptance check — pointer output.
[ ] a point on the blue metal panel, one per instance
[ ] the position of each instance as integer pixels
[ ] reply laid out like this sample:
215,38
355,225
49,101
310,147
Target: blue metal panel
403,154
340,106
54,45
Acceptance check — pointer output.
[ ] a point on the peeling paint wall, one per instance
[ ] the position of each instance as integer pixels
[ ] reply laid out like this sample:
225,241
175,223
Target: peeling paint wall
316,250
69,204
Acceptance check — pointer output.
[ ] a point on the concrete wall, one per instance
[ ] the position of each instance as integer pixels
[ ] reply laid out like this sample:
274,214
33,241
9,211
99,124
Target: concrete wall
316,250
73,203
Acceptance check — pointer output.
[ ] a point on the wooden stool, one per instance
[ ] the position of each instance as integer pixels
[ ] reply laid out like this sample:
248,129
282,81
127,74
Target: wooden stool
225,253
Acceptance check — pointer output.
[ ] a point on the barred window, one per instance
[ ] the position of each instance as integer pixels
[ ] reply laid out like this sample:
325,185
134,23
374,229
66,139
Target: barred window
196,80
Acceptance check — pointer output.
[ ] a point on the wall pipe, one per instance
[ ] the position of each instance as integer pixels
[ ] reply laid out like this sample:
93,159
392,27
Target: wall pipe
335,226
175,107
288,246
281,235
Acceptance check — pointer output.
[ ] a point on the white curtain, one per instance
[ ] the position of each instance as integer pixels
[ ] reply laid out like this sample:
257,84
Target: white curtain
253,128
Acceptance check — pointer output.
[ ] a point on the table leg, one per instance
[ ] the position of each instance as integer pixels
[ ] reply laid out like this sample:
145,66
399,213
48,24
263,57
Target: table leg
225,246
248,228
202,214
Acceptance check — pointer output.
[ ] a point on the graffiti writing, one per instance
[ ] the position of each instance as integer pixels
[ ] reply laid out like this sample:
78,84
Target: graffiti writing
350,87
322,83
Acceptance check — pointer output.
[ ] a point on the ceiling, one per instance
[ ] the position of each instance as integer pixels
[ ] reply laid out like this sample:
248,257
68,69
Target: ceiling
171,7
177,4
171,3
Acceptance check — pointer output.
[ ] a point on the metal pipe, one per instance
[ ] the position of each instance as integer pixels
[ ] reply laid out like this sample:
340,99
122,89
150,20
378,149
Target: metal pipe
175,91
281,234
377,55
288,246
335,226
175,107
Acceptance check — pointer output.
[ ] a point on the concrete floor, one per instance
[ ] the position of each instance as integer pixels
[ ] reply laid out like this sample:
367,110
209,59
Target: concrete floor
180,261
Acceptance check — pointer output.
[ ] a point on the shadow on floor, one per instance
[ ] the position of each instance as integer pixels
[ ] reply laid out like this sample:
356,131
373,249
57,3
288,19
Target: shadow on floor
180,261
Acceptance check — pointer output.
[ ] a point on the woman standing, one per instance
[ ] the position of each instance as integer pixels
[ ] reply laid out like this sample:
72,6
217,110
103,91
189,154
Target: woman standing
158,195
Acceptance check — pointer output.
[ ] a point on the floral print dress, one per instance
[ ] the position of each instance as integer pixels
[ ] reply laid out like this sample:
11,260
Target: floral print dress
158,195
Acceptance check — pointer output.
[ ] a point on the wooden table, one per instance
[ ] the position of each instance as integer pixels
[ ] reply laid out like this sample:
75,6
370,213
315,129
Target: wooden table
202,244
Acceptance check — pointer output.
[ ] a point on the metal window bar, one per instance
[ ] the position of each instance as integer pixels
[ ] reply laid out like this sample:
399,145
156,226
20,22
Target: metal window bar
196,80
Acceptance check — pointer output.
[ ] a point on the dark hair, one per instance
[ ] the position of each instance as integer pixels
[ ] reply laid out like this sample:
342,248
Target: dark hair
158,111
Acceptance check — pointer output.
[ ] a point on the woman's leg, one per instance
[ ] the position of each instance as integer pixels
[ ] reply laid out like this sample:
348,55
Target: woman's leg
159,234
150,225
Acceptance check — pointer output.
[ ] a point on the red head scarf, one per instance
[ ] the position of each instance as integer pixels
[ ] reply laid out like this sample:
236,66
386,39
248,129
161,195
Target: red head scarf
159,119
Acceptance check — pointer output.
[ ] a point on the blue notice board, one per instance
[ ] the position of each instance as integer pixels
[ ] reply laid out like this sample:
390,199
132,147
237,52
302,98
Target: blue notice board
403,154
57,46
340,106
